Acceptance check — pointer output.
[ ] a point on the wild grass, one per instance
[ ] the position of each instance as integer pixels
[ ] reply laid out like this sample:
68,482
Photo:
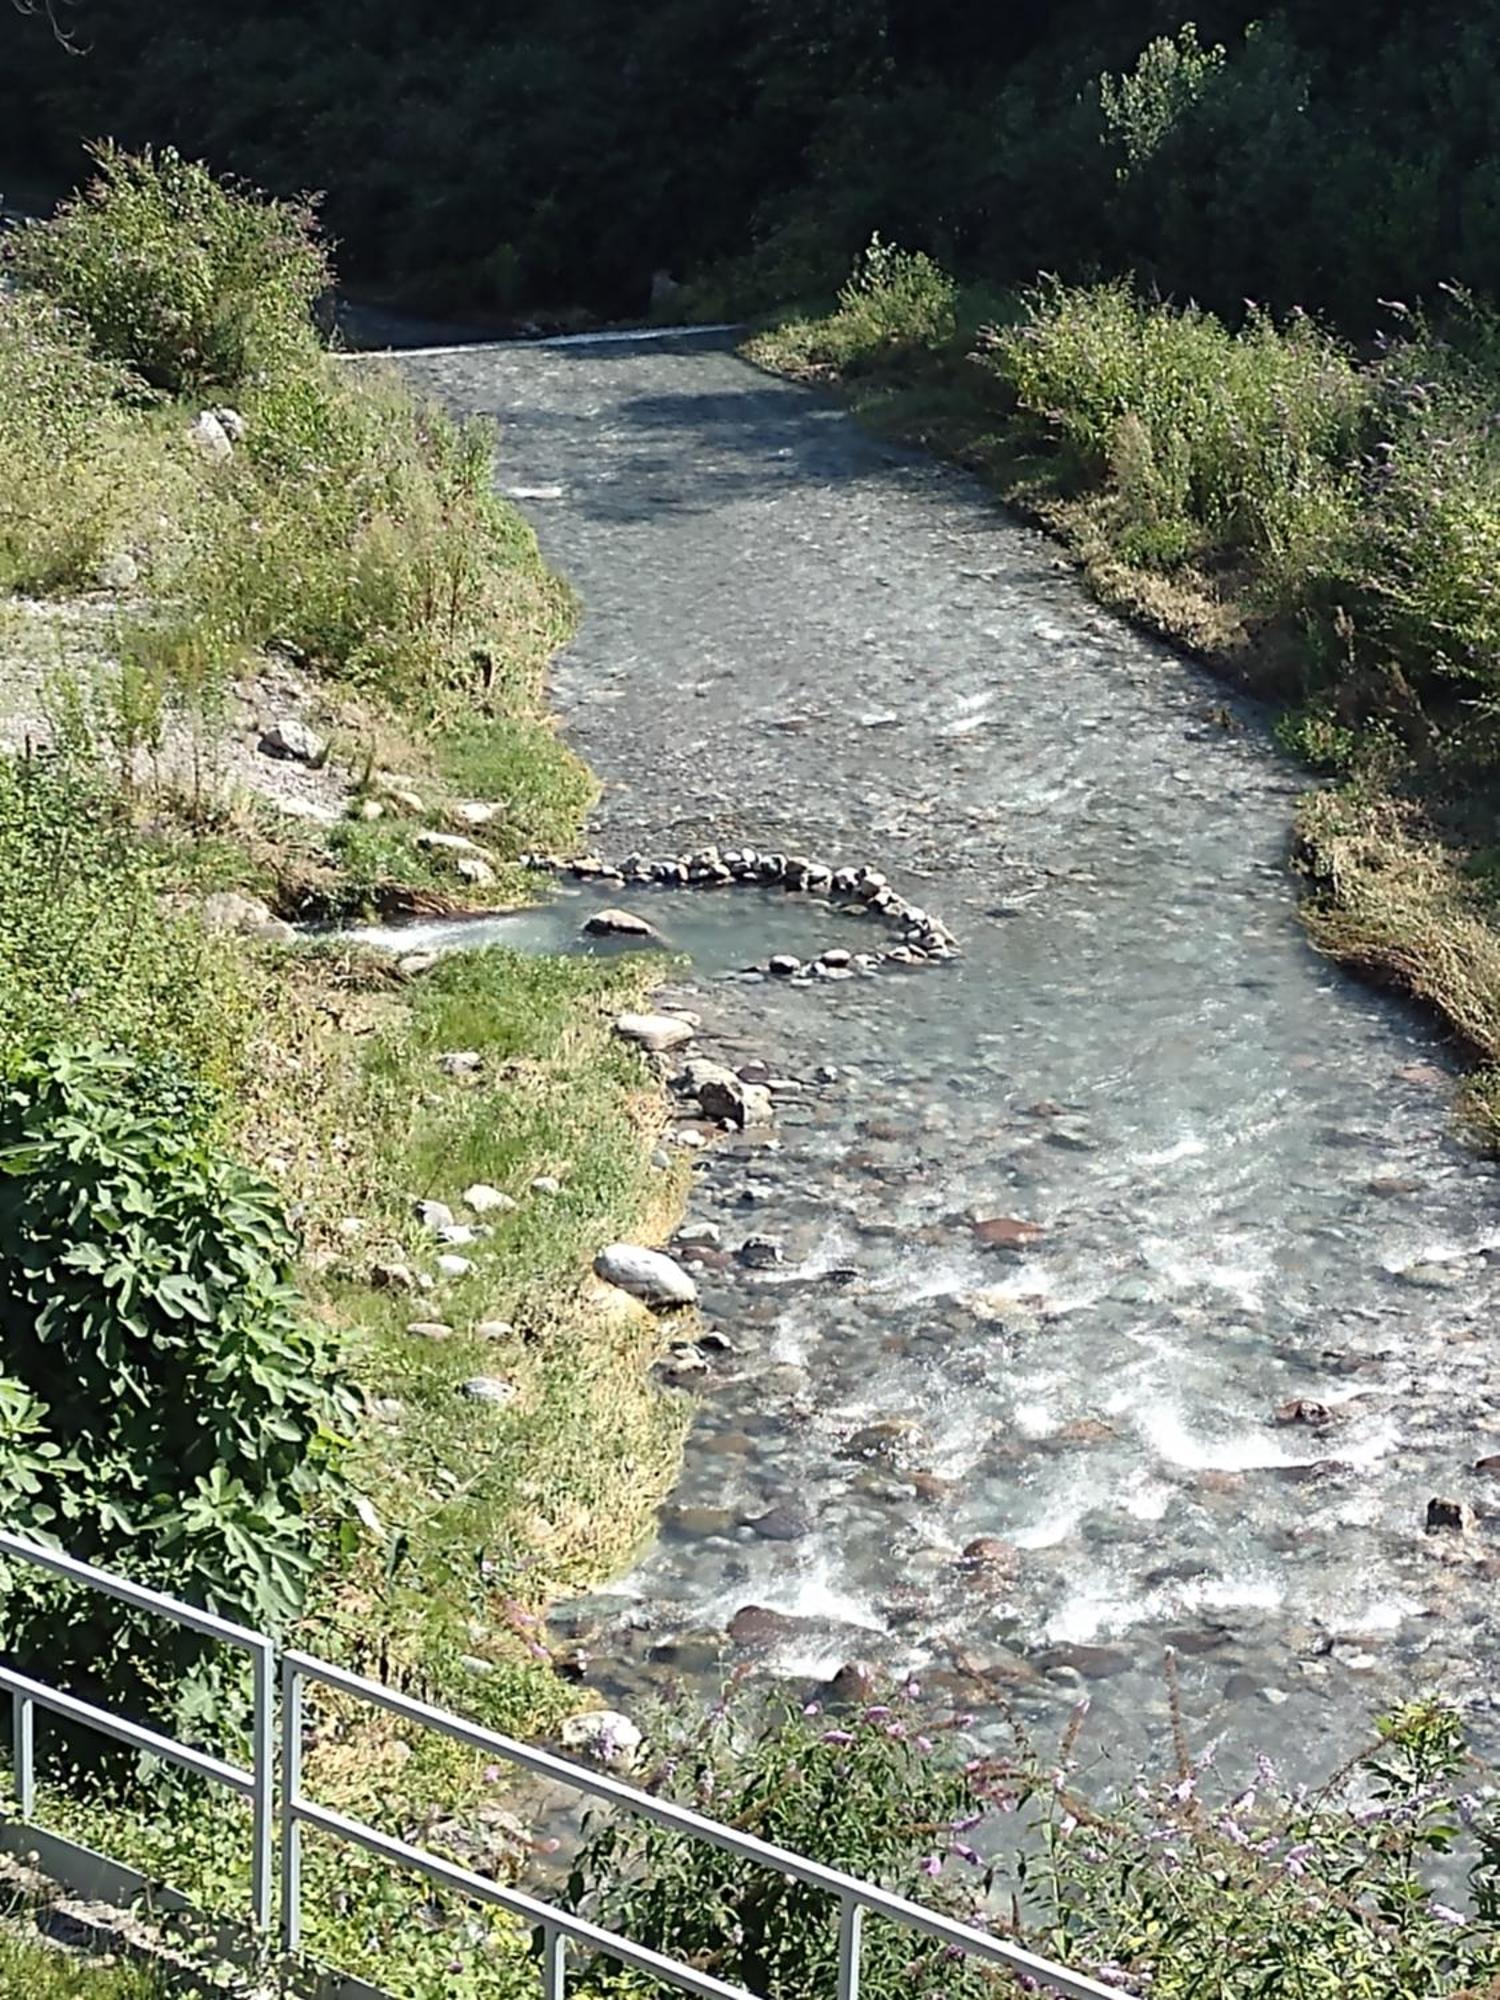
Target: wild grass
33,1970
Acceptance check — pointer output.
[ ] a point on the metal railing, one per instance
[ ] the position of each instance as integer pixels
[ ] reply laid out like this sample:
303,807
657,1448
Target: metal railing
559,1929
256,1784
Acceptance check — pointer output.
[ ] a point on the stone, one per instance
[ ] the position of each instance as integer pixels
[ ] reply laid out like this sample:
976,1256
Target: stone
434,1216
451,1265
783,965
209,438
1091,1662
1071,1134
646,1274
784,1522
1446,1516
854,1685
992,1555
1317,1416
1432,1277
432,842
494,1329
455,1233
1489,1466
487,1200
545,1184
473,812
699,1235
370,809
228,910
604,1736
489,1389
291,738
416,963
230,422
654,1032
619,923
460,1062
392,1277
118,571
477,873
836,957
735,1103
756,1625
760,1252
429,1329
1007,1232
888,1440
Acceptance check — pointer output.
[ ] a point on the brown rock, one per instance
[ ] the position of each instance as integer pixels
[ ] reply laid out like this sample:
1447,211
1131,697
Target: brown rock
782,1523
1393,1184
756,1626
855,1682
1095,1663
886,1440
1083,1430
1489,1466
1317,1416
929,1486
1007,1232
988,1553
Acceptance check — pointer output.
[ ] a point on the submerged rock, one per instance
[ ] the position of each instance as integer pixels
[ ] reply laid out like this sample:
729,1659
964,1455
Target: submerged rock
1007,1232
619,923
649,1275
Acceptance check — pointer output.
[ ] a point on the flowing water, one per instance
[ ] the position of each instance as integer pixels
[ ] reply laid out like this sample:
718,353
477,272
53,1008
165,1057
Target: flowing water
1244,1163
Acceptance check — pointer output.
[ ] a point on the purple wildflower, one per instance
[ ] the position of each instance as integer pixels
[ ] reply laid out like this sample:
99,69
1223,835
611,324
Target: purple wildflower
837,1736
965,1853
877,1713
1446,1914
813,1708
931,1864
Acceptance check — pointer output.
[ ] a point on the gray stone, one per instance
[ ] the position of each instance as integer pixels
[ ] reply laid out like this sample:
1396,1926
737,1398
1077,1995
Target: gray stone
434,1216
460,1062
656,1032
477,873
118,571
487,1200
604,1736
784,965
489,1389
230,422
456,1233
646,1274
228,910
494,1329
286,736
429,1329
699,1233
760,1252
619,923
451,1265
1432,1277
209,438
432,842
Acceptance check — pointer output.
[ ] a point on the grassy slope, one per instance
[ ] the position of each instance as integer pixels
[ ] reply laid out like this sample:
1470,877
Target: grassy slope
354,542
1396,866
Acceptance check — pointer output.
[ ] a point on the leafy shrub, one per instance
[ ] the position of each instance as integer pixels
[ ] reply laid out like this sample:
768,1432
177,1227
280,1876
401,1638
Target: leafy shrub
867,1792
167,1408
1182,1887
1243,440
1142,106
188,280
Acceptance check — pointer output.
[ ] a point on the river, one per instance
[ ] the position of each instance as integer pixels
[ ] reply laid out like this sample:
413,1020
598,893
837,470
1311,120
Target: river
1244,1164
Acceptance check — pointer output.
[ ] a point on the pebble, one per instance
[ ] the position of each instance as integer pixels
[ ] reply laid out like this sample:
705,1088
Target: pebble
460,1062
434,1216
546,1184
494,1329
290,738
451,1265
429,1329
654,1032
486,1200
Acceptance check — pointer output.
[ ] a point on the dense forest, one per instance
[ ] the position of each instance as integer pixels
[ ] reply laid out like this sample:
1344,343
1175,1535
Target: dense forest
526,157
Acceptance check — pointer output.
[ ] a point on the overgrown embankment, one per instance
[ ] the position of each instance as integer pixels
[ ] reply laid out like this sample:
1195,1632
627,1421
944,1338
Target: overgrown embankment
296,1238
1322,524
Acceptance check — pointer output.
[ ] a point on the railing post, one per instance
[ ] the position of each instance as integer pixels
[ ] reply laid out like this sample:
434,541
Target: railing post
23,1752
263,1770
291,1793
554,1965
851,1930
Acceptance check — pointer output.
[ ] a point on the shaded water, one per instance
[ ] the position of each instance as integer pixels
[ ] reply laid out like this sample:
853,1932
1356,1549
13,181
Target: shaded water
1243,1162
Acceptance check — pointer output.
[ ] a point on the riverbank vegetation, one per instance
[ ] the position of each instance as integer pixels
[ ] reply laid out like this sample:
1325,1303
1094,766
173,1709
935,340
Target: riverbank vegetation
1319,520
271,646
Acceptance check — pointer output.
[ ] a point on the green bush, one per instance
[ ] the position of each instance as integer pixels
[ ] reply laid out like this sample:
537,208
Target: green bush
168,1409
1186,1887
1231,441
188,280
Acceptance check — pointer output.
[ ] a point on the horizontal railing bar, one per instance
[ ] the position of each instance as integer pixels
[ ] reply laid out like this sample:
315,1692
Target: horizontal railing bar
136,1734
681,1819
639,1957
135,1593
